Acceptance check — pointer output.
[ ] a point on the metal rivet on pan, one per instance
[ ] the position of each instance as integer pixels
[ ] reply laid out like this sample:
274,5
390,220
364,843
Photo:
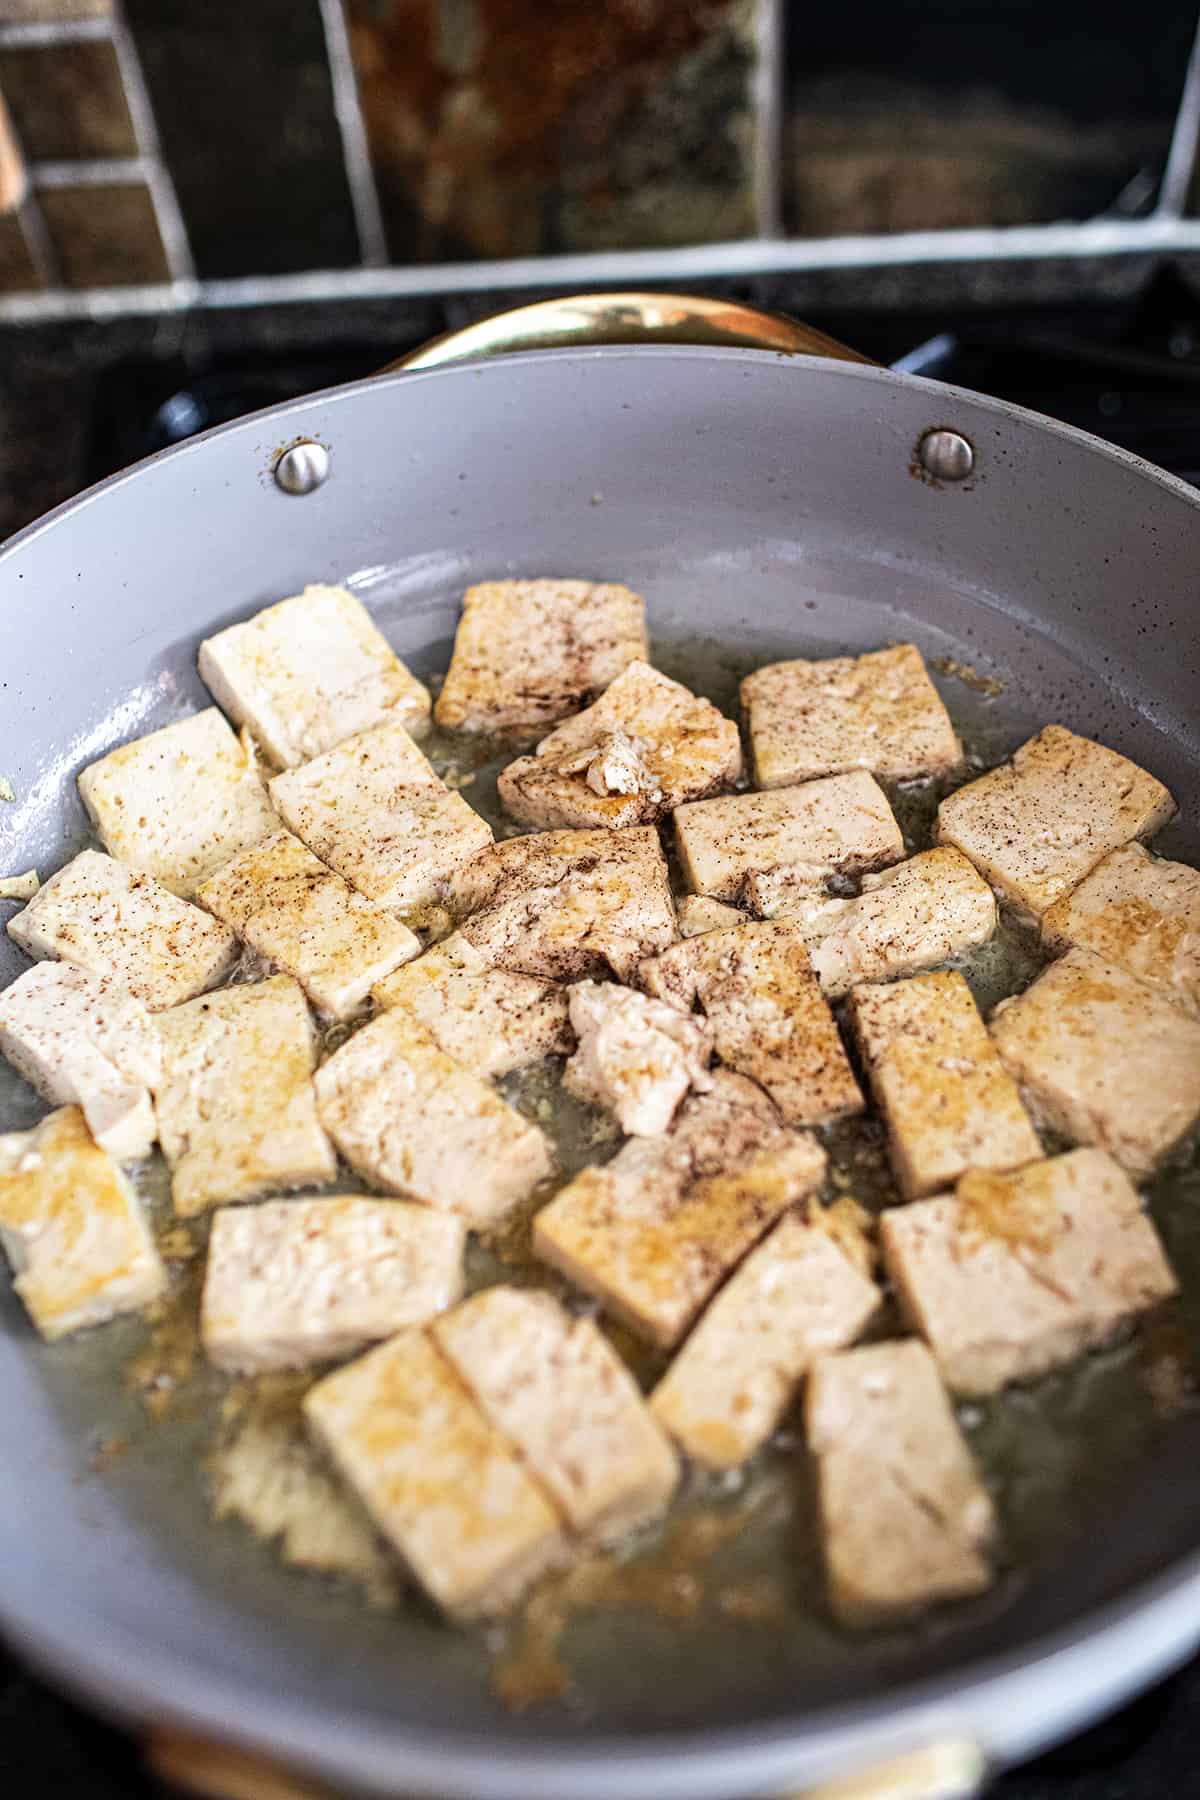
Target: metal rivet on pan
302,468
946,455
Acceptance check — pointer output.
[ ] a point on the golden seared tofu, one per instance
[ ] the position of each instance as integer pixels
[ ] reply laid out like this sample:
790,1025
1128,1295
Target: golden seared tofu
306,673
1141,913
446,1490
653,1232
112,920
527,653
1036,826
1103,1060
179,803
417,1123
647,745
697,913
637,1057
290,1282
947,1100
905,1520
879,712
83,1039
373,809
1012,1275
237,1115
304,919
557,1390
834,827
797,1295
72,1228
490,1020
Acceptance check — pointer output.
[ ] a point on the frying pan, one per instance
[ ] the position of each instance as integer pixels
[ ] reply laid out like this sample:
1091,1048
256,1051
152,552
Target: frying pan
782,497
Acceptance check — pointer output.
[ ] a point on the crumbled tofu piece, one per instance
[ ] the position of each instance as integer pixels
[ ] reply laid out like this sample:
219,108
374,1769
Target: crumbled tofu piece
72,1228
795,1296
179,803
568,904
374,810
879,712
417,1123
490,1020
653,1232
1139,912
647,745
1103,1060
291,1282
116,921
83,1039
237,1115
308,672
19,887
1016,1274
696,914
527,653
837,826
905,1520
304,919
769,1018
440,1482
637,1057
947,1100
556,1388
1036,826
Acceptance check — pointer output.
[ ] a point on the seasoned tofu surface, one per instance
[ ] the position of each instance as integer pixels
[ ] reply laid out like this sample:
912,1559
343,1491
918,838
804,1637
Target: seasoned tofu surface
879,712
1103,1059
179,803
1013,1275
637,1057
307,672
527,653
946,1098
647,745
1141,913
490,1020
1036,826
696,914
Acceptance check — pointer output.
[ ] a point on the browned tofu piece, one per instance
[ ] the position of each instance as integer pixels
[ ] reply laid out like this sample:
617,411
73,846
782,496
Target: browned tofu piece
1137,911
637,1057
1103,1059
697,914
1016,1274
905,1520
490,1020
1036,826
947,1100
879,712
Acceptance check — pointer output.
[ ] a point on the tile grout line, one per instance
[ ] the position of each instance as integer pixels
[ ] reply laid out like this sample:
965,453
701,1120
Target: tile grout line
356,154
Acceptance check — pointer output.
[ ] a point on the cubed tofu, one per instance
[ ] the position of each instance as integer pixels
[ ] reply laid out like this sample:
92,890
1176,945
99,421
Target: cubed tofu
291,1282
527,653
769,1019
374,810
905,1520
1012,1275
834,827
1036,826
696,914
179,803
72,1228
637,1057
647,745
568,904
82,1039
947,1100
308,672
1139,912
237,1116
490,1020
417,1123
554,1386
304,919
794,1297
443,1486
1103,1060
116,921
879,712
653,1232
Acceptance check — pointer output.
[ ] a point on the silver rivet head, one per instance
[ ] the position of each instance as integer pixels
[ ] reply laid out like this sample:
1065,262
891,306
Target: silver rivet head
946,455
302,468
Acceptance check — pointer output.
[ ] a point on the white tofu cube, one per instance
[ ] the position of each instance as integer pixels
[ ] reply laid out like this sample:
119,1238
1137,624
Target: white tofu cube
490,1020
696,914
637,1057
1139,912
